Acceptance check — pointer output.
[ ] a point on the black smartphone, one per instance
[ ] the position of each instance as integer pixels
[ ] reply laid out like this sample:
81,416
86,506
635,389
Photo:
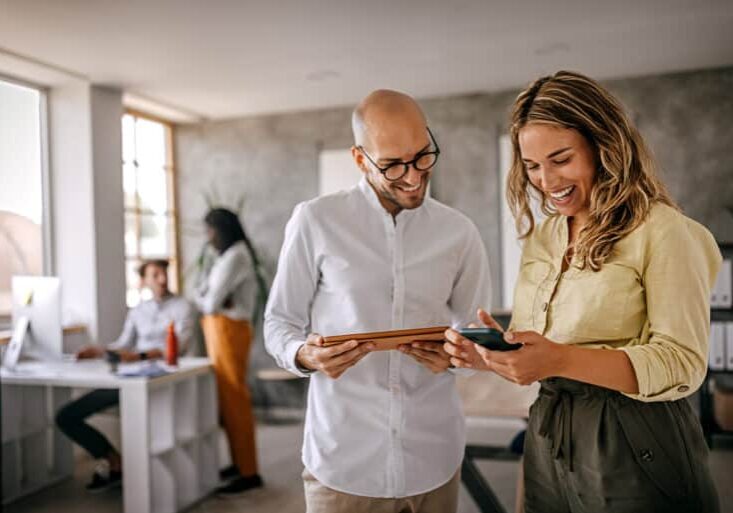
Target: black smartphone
489,338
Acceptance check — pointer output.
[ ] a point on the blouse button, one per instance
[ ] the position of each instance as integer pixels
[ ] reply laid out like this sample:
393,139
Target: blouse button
647,455
544,306
683,388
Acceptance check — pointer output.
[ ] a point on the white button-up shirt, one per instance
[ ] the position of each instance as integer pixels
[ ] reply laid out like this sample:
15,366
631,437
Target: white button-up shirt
388,427
146,325
232,276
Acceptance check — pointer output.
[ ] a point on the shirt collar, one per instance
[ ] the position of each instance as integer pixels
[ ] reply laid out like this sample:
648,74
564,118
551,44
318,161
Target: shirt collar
371,196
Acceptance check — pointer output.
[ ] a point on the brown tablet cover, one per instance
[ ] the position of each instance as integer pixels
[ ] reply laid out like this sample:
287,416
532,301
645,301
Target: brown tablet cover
386,340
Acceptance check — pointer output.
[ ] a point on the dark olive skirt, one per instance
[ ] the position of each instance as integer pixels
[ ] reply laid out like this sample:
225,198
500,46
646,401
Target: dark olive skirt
590,449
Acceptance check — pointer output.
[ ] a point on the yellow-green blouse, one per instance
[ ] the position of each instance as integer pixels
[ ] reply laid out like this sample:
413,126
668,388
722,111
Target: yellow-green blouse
650,299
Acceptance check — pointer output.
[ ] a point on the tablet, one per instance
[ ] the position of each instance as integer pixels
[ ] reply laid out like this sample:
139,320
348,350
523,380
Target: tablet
387,340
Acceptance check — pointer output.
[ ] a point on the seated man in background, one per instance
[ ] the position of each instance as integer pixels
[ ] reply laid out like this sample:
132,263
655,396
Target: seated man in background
143,338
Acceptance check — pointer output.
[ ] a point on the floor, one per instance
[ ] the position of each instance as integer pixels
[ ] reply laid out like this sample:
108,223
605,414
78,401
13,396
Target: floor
279,450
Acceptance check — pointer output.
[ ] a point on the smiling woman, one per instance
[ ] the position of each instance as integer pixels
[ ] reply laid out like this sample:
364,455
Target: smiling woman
611,309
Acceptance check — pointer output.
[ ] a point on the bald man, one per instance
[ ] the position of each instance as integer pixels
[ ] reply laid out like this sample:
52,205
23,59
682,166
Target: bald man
384,430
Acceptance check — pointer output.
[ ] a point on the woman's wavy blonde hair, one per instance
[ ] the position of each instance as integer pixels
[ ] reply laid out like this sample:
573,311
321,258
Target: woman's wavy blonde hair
626,184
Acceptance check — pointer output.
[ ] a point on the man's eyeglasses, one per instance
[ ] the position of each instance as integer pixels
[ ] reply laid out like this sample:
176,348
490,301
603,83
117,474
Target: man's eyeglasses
423,161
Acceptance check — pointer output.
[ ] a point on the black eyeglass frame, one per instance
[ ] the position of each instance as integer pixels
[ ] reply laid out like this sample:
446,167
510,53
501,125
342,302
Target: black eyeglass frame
406,165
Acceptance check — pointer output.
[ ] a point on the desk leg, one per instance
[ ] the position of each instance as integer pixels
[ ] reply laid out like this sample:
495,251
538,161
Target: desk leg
479,489
134,414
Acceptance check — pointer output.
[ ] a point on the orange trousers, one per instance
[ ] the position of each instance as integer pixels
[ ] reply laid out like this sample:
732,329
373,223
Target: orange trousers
228,343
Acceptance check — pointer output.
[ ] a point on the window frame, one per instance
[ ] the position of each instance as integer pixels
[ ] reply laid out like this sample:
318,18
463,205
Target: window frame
48,266
47,240
170,168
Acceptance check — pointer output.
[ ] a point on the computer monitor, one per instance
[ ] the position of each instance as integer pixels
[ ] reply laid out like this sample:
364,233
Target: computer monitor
38,299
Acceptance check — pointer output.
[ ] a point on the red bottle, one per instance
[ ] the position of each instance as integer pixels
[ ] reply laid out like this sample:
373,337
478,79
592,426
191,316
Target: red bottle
171,346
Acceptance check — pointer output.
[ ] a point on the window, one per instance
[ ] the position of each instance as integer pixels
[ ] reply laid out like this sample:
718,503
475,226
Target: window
336,171
510,244
23,223
148,176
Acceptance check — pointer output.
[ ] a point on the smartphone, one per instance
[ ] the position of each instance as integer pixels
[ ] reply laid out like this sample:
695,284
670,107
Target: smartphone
489,338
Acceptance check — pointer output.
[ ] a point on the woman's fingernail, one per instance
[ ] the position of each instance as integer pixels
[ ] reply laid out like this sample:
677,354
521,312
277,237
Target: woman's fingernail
464,355
509,336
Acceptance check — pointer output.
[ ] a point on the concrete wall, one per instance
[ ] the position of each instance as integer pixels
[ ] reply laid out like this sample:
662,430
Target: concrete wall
72,207
273,160
109,228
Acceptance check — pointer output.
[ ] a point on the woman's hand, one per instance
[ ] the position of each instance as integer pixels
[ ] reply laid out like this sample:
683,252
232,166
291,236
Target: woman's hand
464,353
537,359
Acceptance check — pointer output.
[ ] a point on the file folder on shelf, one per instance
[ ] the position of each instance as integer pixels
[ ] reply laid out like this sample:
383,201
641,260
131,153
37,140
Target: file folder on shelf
722,294
729,345
717,359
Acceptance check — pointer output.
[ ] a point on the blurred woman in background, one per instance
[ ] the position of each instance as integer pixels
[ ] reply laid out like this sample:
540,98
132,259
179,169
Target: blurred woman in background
227,300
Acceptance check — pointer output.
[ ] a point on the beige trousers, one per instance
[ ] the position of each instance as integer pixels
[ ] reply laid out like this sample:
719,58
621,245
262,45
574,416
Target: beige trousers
321,499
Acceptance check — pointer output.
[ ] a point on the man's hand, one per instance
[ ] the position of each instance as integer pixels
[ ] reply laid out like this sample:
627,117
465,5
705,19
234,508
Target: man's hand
430,354
128,356
89,352
334,360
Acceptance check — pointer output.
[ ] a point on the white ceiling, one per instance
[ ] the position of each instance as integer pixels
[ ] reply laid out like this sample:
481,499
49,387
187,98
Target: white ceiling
221,59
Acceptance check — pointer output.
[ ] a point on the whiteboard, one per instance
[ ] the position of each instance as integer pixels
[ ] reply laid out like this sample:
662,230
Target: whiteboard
511,247
336,171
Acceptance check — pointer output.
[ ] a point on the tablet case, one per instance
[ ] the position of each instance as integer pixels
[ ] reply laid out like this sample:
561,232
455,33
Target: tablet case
387,340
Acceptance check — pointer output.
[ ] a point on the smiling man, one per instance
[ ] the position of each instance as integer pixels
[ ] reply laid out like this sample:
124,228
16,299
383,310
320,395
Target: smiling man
384,430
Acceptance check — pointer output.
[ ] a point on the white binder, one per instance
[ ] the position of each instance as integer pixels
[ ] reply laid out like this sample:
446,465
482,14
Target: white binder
729,345
716,359
724,283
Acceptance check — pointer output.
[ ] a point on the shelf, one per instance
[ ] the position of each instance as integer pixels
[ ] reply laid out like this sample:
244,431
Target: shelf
160,419
207,400
186,475
186,410
721,315
208,462
10,465
62,454
163,498
34,409
180,427
59,398
34,460
12,411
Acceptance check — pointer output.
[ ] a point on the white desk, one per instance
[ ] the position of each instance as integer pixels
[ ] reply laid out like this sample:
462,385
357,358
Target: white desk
169,431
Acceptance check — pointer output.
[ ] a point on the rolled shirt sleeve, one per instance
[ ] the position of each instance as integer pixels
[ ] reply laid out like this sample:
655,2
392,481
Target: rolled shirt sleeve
471,289
670,356
472,286
128,337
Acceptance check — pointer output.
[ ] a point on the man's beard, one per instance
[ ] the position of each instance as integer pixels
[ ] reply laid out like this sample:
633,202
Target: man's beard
392,195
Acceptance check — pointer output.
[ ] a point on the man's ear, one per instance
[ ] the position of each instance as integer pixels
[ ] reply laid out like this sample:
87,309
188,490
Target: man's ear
358,157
